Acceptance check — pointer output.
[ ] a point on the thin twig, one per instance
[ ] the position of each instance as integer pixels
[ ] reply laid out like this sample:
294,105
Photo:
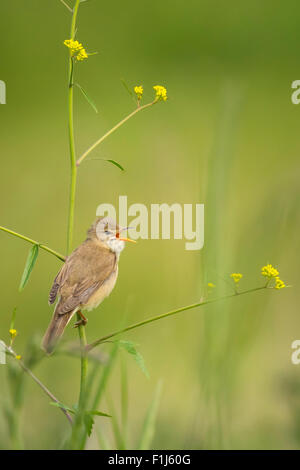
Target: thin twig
40,384
67,6
113,129
34,242
92,345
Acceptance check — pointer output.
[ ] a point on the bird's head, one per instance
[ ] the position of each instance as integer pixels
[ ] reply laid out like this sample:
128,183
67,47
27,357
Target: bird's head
110,233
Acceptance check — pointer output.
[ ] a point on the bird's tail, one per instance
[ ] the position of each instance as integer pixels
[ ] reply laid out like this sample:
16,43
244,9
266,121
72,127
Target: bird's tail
55,329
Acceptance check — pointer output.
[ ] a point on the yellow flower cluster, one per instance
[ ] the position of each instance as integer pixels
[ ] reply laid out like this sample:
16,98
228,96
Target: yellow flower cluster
82,55
236,277
161,93
76,49
139,90
269,271
18,356
279,284
210,285
13,333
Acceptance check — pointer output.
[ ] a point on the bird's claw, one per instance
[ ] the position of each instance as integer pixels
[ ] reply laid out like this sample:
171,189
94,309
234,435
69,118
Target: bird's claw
81,322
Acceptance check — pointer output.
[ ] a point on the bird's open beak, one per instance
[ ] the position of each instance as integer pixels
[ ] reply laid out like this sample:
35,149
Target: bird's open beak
126,239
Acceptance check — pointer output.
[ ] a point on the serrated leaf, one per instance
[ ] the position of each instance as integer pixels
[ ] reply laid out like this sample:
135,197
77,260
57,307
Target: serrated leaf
129,346
30,262
89,423
89,100
61,405
116,164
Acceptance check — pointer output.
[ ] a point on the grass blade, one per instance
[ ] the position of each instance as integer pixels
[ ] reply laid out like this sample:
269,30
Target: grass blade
30,262
104,377
126,87
89,100
124,398
119,437
149,421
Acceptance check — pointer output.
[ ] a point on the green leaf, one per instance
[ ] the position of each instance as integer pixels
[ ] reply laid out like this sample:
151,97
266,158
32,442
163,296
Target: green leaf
116,164
61,405
98,413
89,100
148,428
89,419
129,346
126,87
89,423
30,262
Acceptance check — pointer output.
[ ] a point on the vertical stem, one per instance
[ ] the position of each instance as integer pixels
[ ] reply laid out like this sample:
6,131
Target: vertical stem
73,163
83,344
71,136
77,431
81,330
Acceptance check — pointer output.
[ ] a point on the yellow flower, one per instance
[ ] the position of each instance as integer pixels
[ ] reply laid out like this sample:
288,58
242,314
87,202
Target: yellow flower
82,55
210,285
76,49
18,357
13,333
161,93
269,271
74,46
236,277
139,90
279,284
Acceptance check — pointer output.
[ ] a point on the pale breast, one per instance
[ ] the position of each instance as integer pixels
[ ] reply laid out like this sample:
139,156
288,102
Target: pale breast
102,292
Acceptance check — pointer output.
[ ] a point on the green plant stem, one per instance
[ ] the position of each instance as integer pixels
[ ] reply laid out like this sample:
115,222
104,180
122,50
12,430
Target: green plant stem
81,330
91,346
77,428
34,242
84,363
112,130
38,382
71,136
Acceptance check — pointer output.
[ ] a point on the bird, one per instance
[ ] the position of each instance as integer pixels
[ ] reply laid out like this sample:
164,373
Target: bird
87,277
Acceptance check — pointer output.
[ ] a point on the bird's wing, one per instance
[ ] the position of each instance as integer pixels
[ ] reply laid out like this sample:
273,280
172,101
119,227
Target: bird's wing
84,272
58,282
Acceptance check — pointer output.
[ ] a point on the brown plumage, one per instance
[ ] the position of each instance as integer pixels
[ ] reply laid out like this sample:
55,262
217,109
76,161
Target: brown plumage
87,277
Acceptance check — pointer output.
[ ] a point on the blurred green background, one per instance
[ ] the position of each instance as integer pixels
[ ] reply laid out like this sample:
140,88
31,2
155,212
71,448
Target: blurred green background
228,137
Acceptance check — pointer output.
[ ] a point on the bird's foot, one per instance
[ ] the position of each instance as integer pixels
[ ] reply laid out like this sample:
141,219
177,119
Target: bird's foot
82,322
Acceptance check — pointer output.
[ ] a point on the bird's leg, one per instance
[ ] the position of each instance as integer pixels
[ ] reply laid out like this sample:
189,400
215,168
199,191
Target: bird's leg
83,320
